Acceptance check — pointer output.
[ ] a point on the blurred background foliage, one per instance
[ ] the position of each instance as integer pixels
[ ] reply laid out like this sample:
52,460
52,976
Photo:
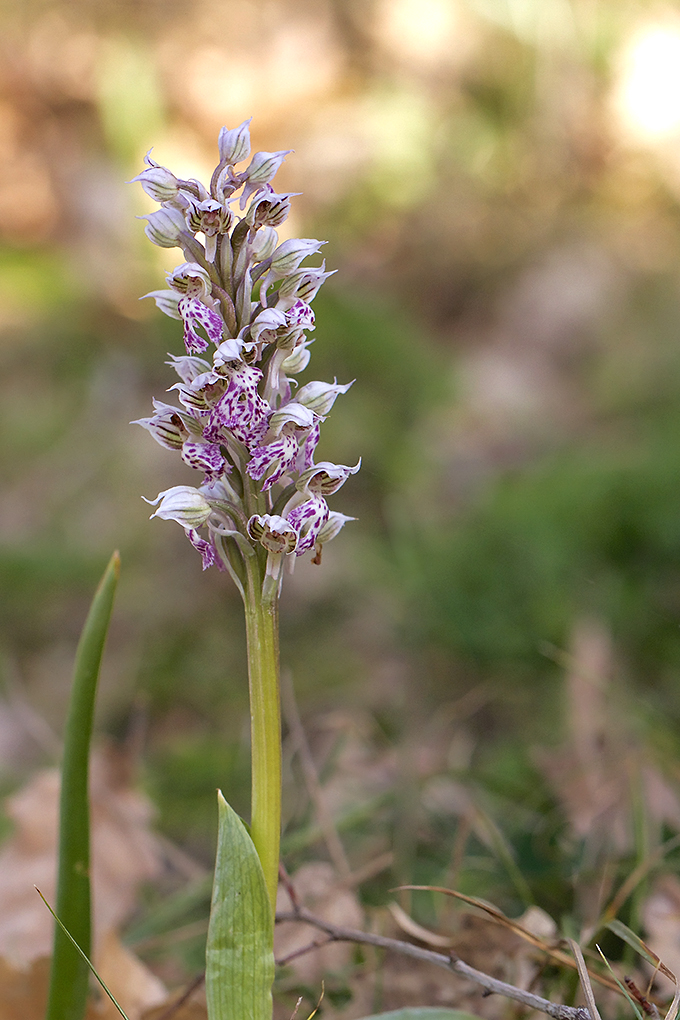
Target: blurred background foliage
499,181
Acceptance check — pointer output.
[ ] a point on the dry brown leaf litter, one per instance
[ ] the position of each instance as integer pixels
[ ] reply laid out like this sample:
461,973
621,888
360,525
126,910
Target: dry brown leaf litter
124,854
317,888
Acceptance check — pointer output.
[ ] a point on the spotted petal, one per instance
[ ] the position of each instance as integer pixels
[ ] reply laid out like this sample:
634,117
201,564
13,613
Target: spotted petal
300,314
195,314
277,458
205,457
241,408
206,550
306,458
308,519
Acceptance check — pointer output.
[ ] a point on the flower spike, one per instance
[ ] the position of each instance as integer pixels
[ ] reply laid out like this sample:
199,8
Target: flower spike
244,300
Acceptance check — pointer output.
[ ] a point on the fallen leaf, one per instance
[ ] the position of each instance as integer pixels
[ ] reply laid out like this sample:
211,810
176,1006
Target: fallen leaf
124,854
135,987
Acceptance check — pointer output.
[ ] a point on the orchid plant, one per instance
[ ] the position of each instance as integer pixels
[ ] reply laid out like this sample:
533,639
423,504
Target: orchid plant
242,420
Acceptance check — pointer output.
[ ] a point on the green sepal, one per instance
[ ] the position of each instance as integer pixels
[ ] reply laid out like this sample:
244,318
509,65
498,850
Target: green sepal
69,976
239,968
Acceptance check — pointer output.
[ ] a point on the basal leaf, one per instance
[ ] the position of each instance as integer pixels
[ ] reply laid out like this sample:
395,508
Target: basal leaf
239,953
69,973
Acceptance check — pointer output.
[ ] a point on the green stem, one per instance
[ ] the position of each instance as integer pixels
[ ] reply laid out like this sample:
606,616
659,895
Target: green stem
262,632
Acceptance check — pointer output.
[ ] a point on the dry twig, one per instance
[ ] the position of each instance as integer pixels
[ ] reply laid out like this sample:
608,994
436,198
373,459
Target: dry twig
338,933
584,978
173,1007
554,952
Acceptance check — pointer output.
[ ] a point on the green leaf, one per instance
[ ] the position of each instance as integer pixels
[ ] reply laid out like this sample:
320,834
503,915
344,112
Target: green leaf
69,973
423,1013
239,954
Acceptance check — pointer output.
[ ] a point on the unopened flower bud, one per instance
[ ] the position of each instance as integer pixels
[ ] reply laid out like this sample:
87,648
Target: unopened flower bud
288,256
264,244
291,414
298,360
262,170
324,479
159,183
263,166
234,145
164,226
335,523
167,301
181,503
320,396
302,286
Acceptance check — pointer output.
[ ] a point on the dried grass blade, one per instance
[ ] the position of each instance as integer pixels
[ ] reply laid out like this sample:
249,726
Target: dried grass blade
675,1004
518,929
584,978
640,947
416,931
